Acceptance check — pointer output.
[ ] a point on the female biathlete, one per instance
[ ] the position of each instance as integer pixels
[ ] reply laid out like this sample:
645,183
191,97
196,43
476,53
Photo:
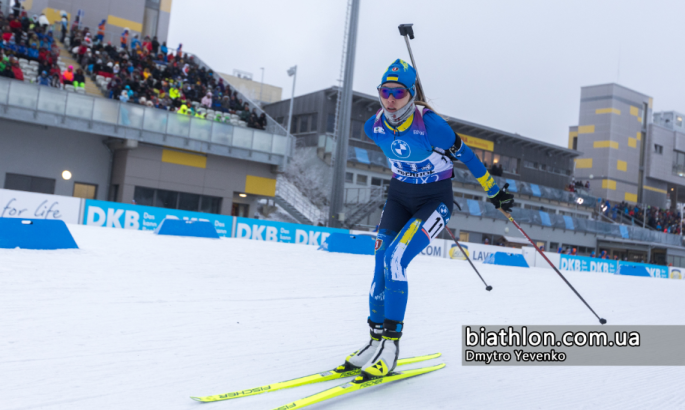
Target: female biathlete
421,147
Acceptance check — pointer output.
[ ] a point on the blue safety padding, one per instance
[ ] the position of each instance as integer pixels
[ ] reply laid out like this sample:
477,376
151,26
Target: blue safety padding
544,218
346,243
569,222
179,227
362,155
506,259
536,190
624,231
512,185
633,270
474,207
35,234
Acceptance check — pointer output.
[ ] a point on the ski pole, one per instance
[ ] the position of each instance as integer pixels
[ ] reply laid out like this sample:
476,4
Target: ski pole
487,287
511,219
407,32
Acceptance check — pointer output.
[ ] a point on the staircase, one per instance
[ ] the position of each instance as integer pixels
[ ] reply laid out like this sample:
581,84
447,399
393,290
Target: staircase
66,58
359,206
297,205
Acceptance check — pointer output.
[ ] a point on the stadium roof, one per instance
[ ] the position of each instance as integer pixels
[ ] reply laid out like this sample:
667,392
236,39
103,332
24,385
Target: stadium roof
473,129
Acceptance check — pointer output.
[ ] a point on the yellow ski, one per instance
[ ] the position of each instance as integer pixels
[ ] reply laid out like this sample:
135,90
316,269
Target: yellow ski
357,384
337,373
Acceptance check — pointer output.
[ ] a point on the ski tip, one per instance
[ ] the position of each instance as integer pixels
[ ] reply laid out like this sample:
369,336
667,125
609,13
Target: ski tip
197,399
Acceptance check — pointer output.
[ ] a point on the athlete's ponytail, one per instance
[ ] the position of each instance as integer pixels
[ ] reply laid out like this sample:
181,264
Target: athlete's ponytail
425,104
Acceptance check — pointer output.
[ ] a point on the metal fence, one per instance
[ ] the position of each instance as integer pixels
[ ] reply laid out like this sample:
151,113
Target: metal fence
542,218
37,98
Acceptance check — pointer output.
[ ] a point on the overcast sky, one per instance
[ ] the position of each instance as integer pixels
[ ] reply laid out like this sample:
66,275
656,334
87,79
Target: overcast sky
513,65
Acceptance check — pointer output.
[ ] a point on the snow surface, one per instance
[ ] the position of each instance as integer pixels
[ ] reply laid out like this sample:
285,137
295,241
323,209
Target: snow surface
137,321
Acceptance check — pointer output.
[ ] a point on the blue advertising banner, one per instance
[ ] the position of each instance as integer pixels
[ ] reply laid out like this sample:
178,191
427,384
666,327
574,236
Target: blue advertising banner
642,269
585,264
146,218
272,231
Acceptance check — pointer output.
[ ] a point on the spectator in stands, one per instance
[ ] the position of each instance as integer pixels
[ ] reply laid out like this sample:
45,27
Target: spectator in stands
100,36
124,39
123,97
155,45
574,252
501,169
68,76
486,241
603,255
261,122
542,248
56,81
17,8
43,79
245,114
560,249
79,79
43,21
16,70
64,25
206,100
593,254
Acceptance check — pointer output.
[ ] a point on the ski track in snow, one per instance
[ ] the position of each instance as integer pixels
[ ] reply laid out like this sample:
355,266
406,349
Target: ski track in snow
138,321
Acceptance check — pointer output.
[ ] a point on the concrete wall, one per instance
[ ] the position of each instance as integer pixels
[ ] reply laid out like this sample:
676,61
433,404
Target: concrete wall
45,152
119,13
253,88
223,177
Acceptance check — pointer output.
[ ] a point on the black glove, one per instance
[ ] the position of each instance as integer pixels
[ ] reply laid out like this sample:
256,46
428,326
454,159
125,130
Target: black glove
503,199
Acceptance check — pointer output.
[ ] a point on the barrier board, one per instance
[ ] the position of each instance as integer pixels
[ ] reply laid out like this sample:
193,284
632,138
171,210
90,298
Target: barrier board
20,204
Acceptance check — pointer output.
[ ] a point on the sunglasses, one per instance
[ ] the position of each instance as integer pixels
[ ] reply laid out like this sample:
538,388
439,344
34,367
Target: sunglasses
397,93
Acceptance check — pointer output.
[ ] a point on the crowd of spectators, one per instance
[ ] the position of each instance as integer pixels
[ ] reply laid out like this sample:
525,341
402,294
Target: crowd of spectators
663,220
28,51
575,186
143,72
150,73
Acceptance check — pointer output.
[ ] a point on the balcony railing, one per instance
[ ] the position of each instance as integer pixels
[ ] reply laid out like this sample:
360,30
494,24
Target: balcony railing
149,120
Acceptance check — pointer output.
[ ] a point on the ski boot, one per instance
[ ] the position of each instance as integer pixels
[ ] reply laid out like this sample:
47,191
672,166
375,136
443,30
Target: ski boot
363,355
384,359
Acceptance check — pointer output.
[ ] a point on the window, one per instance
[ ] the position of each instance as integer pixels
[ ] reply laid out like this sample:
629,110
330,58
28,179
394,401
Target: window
293,125
530,164
479,154
376,181
210,204
166,199
280,120
242,210
487,159
362,179
349,177
189,202
330,123
113,192
315,120
304,123
658,149
679,121
356,130
176,200
144,196
87,191
679,163
28,183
